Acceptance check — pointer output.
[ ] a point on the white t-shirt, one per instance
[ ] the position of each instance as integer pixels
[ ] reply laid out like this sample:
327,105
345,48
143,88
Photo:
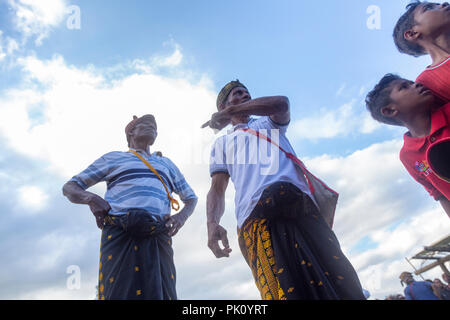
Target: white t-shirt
254,164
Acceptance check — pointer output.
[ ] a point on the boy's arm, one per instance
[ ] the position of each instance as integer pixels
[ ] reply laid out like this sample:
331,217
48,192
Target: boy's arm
215,208
446,205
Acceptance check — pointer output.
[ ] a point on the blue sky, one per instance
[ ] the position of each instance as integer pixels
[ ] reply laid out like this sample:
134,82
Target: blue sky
295,48
66,94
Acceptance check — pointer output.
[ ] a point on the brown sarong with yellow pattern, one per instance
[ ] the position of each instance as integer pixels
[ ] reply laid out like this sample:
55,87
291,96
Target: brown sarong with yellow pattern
293,253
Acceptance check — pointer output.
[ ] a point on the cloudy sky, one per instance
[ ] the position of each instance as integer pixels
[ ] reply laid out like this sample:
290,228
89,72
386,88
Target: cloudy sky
74,72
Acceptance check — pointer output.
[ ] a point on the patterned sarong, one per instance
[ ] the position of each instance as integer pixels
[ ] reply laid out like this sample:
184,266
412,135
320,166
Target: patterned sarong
136,259
293,253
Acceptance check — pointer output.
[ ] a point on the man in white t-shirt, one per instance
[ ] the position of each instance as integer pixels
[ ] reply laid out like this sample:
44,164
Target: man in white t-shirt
290,248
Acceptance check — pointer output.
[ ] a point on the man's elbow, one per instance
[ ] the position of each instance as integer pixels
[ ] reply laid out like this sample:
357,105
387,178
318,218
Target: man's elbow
68,188
284,104
65,188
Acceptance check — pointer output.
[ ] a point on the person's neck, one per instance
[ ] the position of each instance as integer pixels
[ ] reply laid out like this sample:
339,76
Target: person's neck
142,146
439,50
419,126
239,120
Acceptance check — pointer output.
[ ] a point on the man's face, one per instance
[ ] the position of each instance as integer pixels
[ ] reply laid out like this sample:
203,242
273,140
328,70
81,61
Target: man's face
432,19
408,278
145,130
409,97
237,96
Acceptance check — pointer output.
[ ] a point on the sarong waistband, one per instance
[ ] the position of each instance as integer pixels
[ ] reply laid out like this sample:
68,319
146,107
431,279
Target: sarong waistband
282,200
138,223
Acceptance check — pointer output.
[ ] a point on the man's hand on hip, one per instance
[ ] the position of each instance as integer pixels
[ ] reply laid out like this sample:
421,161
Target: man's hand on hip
100,209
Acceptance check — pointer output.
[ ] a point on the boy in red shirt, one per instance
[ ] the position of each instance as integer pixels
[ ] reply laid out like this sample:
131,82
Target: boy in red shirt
426,150
425,29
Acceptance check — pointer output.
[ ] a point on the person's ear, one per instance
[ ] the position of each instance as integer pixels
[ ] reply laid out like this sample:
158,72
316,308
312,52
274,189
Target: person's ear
389,111
411,35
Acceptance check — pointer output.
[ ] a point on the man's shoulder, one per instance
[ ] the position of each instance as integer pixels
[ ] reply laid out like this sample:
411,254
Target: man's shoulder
267,123
115,155
165,161
423,283
263,120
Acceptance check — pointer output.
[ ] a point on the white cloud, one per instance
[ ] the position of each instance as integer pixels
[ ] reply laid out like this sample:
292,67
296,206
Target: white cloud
65,112
7,46
32,198
169,61
37,18
328,123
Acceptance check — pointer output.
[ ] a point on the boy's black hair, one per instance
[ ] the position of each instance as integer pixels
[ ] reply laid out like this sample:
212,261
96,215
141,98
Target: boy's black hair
405,23
379,98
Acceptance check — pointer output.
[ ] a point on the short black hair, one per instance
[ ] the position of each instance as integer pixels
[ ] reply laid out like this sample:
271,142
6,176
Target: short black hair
405,23
379,98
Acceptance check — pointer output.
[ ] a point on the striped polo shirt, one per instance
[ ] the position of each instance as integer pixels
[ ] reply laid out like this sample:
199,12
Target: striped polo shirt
131,184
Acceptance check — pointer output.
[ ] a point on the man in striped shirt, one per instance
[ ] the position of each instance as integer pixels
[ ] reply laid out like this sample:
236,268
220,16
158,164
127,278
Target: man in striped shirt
136,258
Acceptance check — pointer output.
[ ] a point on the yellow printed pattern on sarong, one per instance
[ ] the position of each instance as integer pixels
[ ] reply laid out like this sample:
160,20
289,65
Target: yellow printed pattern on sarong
256,246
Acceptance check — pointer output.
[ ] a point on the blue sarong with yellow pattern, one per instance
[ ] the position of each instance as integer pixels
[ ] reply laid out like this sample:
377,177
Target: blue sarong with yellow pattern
136,259
292,251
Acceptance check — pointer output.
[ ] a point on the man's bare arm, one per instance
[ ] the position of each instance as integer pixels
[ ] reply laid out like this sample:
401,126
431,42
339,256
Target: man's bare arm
97,204
446,205
215,208
278,108
76,194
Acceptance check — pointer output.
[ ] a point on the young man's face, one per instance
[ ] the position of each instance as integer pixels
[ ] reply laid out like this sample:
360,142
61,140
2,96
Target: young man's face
432,19
408,97
237,96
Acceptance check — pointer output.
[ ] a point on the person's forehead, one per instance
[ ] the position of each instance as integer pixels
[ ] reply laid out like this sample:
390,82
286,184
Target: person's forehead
146,122
421,7
238,89
398,82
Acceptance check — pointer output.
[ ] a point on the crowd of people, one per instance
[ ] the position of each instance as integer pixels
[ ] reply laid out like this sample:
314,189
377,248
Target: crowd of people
423,290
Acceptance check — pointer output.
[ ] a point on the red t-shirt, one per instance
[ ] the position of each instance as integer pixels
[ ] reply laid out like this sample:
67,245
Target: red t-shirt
414,154
437,79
